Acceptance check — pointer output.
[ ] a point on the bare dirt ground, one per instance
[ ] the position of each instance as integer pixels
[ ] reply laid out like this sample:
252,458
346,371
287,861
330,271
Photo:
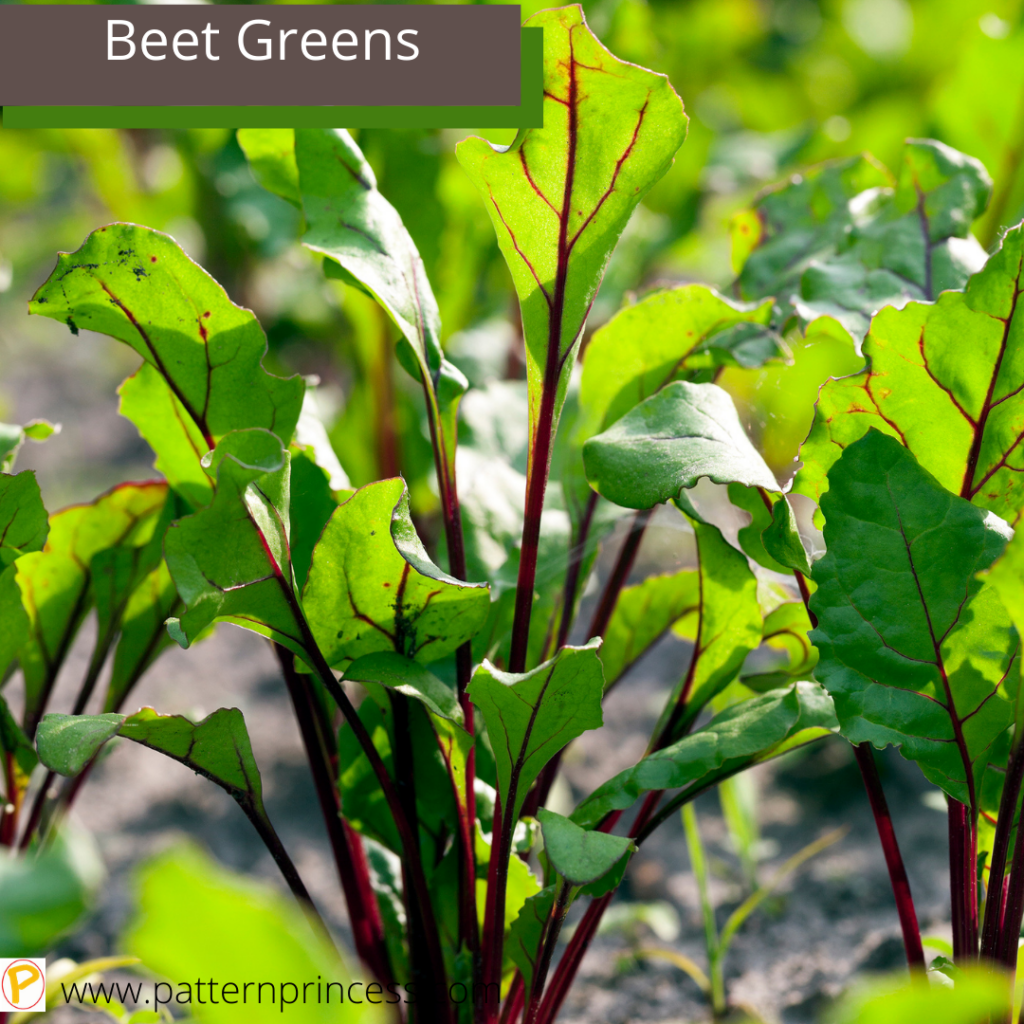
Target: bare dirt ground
832,921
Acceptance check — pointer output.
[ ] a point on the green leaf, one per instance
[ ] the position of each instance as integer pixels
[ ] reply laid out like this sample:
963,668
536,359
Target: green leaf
56,583
560,196
23,521
841,243
43,897
642,614
668,442
744,734
271,155
372,588
361,233
914,650
532,716
577,855
408,677
14,622
946,379
67,743
527,934
236,928
724,626
667,335
230,561
136,285
782,541
217,748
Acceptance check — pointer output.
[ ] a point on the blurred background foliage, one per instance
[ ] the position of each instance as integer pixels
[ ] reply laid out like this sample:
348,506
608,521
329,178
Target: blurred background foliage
769,85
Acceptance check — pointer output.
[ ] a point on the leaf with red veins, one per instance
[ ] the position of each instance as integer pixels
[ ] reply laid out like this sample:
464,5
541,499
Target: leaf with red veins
372,588
560,196
204,375
231,561
947,380
914,648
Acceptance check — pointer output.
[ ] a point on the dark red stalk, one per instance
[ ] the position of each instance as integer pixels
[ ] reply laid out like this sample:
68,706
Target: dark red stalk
1013,910
349,858
513,1001
444,466
551,933
963,882
997,883
9,819
565,972
893,859
543,434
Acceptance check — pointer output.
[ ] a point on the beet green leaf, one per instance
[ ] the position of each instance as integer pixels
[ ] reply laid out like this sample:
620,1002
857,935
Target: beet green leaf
578,855
23,520
560,196
946,379
667,335
724,625
204,352
744,734
915,650
530,717
231,561
668,442
840,242
527,933
371,586
56,584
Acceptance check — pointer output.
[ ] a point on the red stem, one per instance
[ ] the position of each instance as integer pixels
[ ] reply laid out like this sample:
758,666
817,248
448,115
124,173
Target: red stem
963,882
349,856
893,859
451,511
995,905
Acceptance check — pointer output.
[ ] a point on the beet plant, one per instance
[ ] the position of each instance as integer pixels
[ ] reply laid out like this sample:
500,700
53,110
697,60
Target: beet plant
433,786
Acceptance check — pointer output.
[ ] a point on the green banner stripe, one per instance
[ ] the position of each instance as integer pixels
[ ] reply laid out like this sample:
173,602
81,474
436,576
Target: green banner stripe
529,113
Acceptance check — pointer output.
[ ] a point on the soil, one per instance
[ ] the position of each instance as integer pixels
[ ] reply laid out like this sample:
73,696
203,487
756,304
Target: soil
831,922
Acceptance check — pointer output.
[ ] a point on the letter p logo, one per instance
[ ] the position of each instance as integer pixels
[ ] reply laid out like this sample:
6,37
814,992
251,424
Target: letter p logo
23,985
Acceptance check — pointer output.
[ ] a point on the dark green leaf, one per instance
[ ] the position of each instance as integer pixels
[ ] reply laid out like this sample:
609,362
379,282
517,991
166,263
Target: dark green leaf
577,855
668,442
744,734
13,741
531,717
840,243
902,620
23,521
351,223
67,743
